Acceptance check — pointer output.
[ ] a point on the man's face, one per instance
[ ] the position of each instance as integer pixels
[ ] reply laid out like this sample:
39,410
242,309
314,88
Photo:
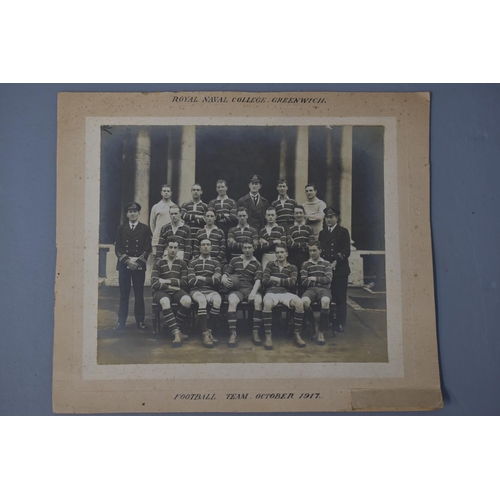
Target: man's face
281,254
311,193
247,249
175,215
196,192
242,218
166,193
133,215
298,215
221,188
271,216
254,187
331,220
205,248
210,218
314,252
172,249
282,188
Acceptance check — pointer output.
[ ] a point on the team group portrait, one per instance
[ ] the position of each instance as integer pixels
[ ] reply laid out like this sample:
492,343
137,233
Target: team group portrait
241,244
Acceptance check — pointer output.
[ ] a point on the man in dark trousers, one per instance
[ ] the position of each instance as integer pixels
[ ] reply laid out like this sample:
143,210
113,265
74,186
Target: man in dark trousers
132,247
336,243
255,204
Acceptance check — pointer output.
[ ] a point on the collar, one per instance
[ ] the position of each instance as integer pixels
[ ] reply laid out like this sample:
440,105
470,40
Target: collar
319,260
244,227
287,198
331,228
226,197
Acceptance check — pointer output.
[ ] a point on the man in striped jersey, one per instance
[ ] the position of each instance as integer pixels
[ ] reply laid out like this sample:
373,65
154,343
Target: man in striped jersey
214,234
204,274
168,279
193,211
316,274
284,206
249,272
237,235
270,236
280,278
225,208
178,231
299,237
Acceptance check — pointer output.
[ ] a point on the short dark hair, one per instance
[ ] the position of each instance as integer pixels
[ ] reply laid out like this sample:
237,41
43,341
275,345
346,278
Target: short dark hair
282,181
300,207
270,209
247,240
242,209
315,243
210,209
220,181
280,245
174,206
311,185
166,186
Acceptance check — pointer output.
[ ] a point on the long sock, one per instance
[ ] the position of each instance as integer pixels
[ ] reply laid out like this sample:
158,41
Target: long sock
323,318
231,320
268,321
257,320
202,316
297,322
213,318
182,315
309,316
169,319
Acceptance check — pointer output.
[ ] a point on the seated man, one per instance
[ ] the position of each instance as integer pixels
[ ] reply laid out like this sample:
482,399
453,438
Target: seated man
168,278
280,278
316,276
249,272
204,275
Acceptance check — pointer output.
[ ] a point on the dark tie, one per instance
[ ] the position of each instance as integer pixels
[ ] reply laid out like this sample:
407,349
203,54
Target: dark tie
255,198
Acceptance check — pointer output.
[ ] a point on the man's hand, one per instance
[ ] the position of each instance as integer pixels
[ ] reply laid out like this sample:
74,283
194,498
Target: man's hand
262,241
252,296
277,242
275,279
226,281
164,281
312,279
132,264
203,279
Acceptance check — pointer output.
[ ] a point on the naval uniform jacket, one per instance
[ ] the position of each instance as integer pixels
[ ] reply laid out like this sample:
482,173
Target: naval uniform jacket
132,243
256,213
334,243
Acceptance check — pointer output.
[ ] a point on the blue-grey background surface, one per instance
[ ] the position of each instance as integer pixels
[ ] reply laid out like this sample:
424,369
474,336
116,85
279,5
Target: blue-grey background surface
465,180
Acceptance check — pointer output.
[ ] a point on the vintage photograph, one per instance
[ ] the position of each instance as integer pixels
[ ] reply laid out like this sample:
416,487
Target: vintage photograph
309,201
238,252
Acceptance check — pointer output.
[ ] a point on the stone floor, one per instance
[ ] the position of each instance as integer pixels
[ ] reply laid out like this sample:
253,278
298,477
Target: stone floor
365,339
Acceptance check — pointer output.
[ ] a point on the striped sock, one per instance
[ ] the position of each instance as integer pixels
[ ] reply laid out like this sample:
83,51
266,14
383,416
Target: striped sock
169,319
323,318
257,319
309,315
182,315
268,321
297,321
231,319
213,318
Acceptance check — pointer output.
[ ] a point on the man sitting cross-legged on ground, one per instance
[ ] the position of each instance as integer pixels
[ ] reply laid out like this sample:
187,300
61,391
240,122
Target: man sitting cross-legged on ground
168,278
249,272
316,274
280,278
203,275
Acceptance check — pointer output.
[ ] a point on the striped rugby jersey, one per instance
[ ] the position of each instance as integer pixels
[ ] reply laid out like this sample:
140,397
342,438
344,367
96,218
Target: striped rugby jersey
237,234
189,212
182,236
287,275
277,233
208,268
222,208
218,240
321,269
248,275
299,237
178,273
284,211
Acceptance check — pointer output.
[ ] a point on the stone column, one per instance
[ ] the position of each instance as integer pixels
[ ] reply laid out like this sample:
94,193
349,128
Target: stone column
142,170
301,163
170,160
330,173
346,177
283,156
187,164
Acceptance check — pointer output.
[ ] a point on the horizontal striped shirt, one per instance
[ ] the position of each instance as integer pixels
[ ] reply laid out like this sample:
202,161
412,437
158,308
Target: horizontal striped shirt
207,268
190,214
182,235
218,240
322,270
299,237
237,234
287,275
276,233
248,275
177,272
284,211
225,211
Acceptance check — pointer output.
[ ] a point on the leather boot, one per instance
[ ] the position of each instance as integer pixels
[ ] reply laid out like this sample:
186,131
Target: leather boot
298,340
320,340
212,338
256,338
207,340
268,343
177,338
232,342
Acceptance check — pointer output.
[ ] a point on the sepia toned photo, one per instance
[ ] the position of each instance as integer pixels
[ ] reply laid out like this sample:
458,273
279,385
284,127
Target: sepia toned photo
240,253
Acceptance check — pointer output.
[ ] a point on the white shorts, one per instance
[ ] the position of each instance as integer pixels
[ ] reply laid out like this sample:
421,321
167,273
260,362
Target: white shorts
210,295
281,298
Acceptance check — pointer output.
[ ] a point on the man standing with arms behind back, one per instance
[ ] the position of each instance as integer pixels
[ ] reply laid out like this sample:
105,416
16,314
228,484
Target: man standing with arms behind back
132,247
